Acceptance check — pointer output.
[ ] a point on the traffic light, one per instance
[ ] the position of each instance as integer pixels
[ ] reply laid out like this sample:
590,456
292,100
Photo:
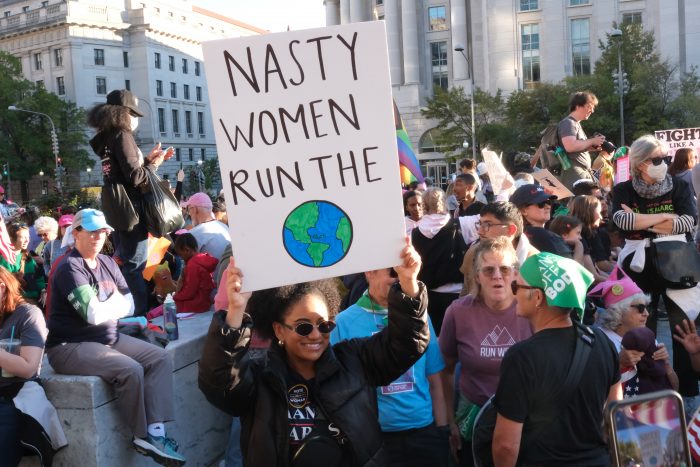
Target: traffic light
54,142
5,168
616,83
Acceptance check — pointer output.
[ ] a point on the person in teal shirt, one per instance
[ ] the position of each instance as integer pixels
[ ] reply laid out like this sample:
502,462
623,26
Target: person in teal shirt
412,409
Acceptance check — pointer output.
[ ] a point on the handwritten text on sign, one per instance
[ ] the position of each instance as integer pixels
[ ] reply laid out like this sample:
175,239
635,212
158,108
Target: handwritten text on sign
307,149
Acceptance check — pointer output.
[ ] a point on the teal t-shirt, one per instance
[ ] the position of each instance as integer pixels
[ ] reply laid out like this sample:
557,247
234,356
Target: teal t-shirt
405,403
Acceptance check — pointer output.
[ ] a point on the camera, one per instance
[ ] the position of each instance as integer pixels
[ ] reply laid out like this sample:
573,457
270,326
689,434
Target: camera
608,147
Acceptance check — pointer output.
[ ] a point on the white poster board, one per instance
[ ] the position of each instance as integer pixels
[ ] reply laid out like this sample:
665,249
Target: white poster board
494,167
306,142
680,138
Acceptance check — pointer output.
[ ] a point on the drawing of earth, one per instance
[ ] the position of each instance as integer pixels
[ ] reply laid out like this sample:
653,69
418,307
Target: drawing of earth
317,234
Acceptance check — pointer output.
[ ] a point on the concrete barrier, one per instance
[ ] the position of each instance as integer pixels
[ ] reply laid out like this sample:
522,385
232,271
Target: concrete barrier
96,432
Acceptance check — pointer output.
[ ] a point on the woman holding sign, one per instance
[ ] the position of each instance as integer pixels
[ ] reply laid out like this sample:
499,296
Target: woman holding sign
304,402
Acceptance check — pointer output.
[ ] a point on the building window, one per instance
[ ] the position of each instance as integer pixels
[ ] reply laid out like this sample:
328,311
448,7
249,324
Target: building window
37,61
45,3
188,122
198,92
58,57
203,154
173,90
161,119
99,56
190,152
171,63
184,66
186,91
157,56
125,56
127,84
530,39
101,85
178,154
438,59
25,9
579,2
632,18
8,14
200,122
196,68
60,86
40,84
176,121
581,46
437,18
380,2
159,88
528,5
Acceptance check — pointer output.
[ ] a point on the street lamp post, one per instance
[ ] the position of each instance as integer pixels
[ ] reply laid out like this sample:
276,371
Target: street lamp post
617,33
54,142
200,175
460,48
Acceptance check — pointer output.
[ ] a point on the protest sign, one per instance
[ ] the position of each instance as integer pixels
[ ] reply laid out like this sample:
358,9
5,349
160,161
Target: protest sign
307,148
551,184
494,167
679,138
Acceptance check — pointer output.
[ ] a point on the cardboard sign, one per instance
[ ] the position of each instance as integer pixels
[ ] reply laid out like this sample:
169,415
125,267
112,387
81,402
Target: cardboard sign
622,169
551,184
306,141
494,167
679,138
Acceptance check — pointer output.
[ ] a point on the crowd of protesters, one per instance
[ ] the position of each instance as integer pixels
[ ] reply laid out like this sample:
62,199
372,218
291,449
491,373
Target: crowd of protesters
483,309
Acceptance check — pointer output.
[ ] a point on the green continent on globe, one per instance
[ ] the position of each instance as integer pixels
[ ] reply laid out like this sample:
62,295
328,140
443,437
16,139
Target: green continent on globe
316,251
301,220
344,232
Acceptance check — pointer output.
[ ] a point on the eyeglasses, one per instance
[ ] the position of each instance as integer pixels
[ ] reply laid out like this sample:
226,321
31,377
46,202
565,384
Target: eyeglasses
641,308
486,226
491,270
659,160
305,328
514,287
543,204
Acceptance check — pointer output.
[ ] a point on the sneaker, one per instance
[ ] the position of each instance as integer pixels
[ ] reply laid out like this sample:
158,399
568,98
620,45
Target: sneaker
161,449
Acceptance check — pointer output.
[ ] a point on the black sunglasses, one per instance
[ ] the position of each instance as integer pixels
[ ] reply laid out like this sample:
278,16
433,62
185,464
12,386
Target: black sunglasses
659,160
544,203
514,287
641,308
305,328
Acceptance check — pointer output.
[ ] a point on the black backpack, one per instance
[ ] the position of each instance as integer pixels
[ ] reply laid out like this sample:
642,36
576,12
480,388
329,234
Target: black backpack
485,422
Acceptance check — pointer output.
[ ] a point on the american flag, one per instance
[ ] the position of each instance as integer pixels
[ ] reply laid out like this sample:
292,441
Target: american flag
630,382
694,436
6,248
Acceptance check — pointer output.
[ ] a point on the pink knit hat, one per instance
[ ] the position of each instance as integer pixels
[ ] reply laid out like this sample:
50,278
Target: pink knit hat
617,288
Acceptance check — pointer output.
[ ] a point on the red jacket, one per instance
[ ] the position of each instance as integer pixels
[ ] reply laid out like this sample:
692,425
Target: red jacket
197,284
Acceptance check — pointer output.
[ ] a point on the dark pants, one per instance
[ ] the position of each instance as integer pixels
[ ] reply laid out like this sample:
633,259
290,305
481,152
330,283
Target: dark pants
10,446
419,447
437,305
131,249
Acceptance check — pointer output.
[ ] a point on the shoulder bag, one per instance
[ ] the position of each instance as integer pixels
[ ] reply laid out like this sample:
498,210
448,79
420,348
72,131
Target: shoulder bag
161,210
115,202
677,263
485,423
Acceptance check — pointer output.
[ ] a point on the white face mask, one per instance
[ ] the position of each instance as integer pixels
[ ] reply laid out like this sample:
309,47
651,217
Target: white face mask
134,122
657,172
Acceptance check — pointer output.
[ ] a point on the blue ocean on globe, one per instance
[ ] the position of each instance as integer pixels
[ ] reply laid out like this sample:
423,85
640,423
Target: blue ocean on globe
317,234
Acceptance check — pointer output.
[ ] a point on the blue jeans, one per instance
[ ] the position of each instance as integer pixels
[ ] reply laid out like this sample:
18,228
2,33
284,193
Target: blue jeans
234,456
132,249
10,447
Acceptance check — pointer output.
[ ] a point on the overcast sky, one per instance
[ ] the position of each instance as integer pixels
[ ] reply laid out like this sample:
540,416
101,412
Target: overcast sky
274,15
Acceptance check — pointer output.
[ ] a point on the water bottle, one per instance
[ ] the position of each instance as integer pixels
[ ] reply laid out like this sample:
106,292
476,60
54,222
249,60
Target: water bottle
563,158
170,318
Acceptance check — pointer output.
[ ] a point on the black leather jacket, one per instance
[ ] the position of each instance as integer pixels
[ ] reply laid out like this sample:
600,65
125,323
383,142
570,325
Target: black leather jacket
252,386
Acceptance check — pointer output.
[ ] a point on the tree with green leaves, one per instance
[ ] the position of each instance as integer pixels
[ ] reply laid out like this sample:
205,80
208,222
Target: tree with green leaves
25,138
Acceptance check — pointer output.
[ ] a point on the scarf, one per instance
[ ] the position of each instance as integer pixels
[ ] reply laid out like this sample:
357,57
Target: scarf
652,191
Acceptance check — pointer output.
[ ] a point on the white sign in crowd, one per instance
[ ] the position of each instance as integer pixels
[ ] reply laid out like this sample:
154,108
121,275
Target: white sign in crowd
679,138
307,148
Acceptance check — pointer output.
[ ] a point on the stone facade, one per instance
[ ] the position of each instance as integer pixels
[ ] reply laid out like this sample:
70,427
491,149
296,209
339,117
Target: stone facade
83,49
491,32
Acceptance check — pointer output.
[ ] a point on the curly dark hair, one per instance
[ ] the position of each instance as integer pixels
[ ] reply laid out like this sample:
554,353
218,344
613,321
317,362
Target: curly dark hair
271,305
106,117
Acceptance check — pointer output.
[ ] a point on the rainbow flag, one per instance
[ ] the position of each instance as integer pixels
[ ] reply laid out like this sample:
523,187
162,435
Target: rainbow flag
408,163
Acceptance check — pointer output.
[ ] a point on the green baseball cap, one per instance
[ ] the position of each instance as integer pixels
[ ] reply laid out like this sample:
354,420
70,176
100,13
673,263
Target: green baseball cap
564,281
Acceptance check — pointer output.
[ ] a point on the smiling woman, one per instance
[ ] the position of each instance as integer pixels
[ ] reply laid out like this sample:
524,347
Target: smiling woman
304,402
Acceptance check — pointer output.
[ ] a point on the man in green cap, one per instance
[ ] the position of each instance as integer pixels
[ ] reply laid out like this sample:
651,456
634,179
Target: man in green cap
548,289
